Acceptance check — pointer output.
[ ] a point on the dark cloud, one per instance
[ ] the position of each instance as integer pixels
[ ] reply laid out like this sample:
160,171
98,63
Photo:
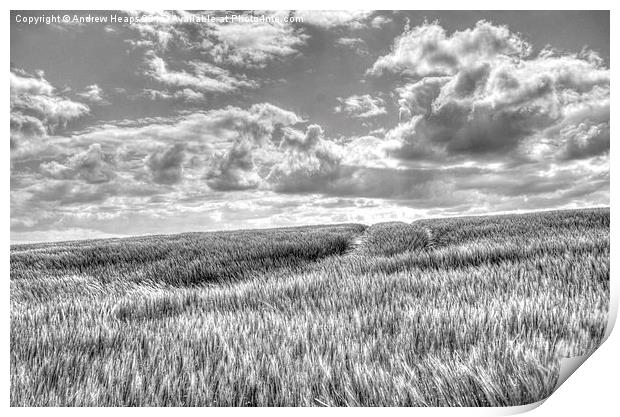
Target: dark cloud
310,162
235,170
585,140
481,92
165,165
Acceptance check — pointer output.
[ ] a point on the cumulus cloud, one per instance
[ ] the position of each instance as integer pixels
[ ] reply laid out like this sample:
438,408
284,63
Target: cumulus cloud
36,109
480,92
418,97
361,106
579,141
235,169
27,125
22,83
92,165
310,162
166,164
428,50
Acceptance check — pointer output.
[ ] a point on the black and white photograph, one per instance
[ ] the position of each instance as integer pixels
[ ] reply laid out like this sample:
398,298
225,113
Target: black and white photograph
306,208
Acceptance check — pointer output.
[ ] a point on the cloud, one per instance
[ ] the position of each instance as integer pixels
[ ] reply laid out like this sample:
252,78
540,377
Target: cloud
418,97
361,106
189,95
22,83
464,122
356,44
370,151
157,30
36,109
212,130
27,125
94,94
480,93
92,165
253,44
583,140
204,77
55,111
246,44
310,162
427,50
328,19
235,169
379,21
186,95
165,165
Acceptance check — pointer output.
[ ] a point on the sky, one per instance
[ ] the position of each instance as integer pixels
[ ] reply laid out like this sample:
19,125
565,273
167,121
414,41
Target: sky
170,122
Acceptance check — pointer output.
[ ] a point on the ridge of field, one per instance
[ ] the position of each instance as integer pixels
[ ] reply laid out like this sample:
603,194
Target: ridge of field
471,311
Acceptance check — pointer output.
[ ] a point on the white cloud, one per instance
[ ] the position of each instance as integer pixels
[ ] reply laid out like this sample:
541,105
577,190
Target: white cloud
357,44
24,84
379,21
253,44
361,106
94,94
91,165
204,77
36,109
156,30
235,169
334,18
244,44
427,49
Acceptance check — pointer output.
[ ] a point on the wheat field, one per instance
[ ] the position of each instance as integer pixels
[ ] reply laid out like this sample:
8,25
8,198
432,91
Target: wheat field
470,311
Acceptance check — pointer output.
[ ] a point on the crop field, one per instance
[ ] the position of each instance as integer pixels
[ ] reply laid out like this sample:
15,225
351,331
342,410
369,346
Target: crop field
470,311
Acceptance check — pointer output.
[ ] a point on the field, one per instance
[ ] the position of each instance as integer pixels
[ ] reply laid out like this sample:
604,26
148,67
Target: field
473,311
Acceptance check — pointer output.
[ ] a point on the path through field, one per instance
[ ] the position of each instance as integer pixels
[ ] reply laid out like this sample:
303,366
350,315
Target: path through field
357,243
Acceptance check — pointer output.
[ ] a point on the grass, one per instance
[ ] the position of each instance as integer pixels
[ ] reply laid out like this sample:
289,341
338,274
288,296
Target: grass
446,312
